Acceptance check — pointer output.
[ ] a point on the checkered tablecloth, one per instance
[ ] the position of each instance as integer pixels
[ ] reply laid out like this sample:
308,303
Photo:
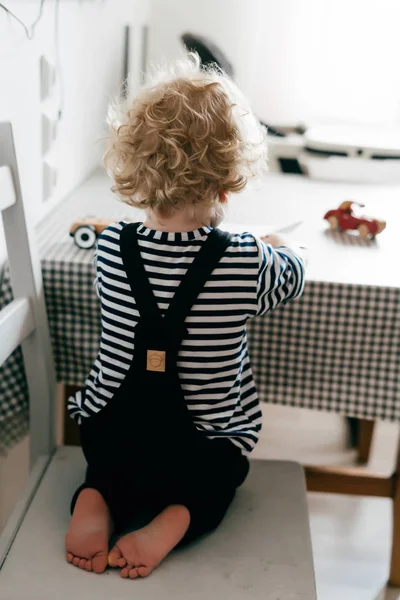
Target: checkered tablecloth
14,407
336,349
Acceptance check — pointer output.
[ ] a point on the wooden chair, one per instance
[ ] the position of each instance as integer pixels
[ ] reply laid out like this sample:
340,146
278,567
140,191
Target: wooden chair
262,549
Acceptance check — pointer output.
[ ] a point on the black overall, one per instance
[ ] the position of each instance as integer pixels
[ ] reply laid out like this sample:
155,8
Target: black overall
143,450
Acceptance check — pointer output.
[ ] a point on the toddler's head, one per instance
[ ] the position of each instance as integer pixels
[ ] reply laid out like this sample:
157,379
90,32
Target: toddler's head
184,142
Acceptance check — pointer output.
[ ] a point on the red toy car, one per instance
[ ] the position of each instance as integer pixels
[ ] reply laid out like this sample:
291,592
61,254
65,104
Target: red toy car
344,219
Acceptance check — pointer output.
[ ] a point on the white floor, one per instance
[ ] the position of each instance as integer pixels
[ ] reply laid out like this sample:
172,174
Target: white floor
351,536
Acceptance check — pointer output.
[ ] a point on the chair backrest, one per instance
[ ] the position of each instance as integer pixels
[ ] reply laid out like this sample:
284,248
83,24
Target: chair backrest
24,321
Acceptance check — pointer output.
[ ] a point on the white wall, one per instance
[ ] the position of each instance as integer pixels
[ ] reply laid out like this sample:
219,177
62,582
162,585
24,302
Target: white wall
91,50
91,58
355,64
269,43
298,60
227,24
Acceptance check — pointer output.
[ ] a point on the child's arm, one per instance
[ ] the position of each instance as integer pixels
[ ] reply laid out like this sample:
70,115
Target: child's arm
281,272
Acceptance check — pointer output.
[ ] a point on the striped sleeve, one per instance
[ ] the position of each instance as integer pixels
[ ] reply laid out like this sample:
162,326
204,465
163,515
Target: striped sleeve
280,278
97,279
101,242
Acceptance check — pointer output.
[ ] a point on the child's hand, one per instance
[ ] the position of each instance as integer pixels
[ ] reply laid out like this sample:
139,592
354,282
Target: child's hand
275,240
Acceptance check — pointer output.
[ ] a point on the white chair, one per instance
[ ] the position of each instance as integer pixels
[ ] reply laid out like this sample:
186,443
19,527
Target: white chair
261,551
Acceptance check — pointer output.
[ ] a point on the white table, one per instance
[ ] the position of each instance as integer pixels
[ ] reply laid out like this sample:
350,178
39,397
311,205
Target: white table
335,349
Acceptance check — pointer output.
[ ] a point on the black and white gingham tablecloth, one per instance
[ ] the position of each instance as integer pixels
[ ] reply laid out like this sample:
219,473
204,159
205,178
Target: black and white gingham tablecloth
335,349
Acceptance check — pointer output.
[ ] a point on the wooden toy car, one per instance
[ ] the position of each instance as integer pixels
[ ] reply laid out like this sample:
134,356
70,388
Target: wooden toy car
86,231
343,219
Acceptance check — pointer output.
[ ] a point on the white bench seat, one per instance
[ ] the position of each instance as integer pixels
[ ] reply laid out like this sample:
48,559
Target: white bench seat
262,550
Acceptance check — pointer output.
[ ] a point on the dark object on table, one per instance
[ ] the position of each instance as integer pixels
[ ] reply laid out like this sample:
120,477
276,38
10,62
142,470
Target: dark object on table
290,165
210,54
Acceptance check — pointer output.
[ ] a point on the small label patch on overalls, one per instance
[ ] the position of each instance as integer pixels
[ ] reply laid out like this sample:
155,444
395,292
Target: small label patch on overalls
156,360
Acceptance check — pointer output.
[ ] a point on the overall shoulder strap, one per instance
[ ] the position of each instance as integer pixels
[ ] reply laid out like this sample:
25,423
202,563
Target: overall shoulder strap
197,275
137,276
185,296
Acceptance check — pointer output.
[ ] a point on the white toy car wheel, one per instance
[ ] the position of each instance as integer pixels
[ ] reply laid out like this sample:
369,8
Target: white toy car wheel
85,237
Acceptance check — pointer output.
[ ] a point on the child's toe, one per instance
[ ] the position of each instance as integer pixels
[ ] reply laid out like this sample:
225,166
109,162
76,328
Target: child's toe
82,563
70,557
144,571
124,572
88,566
99,562
133,573
76,560
115,558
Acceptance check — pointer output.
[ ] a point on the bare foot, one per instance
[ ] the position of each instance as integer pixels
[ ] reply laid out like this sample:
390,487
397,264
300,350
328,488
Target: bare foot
139,552
90,528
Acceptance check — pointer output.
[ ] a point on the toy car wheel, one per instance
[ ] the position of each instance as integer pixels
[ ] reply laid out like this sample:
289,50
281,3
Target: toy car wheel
85,237
363,230
333,222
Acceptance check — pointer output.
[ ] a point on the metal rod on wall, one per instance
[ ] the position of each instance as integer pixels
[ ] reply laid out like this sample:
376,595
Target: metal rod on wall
145,38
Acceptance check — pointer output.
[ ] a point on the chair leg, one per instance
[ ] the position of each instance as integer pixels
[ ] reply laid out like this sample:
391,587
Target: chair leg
394,577
352,427
365,435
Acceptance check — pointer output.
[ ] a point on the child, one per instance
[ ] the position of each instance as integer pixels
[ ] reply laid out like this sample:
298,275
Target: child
170,411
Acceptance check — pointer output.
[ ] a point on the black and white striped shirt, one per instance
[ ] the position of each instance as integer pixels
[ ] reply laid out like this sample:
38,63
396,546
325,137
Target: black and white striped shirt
213,363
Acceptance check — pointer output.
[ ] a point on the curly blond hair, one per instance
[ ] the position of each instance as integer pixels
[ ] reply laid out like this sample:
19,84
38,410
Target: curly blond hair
188,136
